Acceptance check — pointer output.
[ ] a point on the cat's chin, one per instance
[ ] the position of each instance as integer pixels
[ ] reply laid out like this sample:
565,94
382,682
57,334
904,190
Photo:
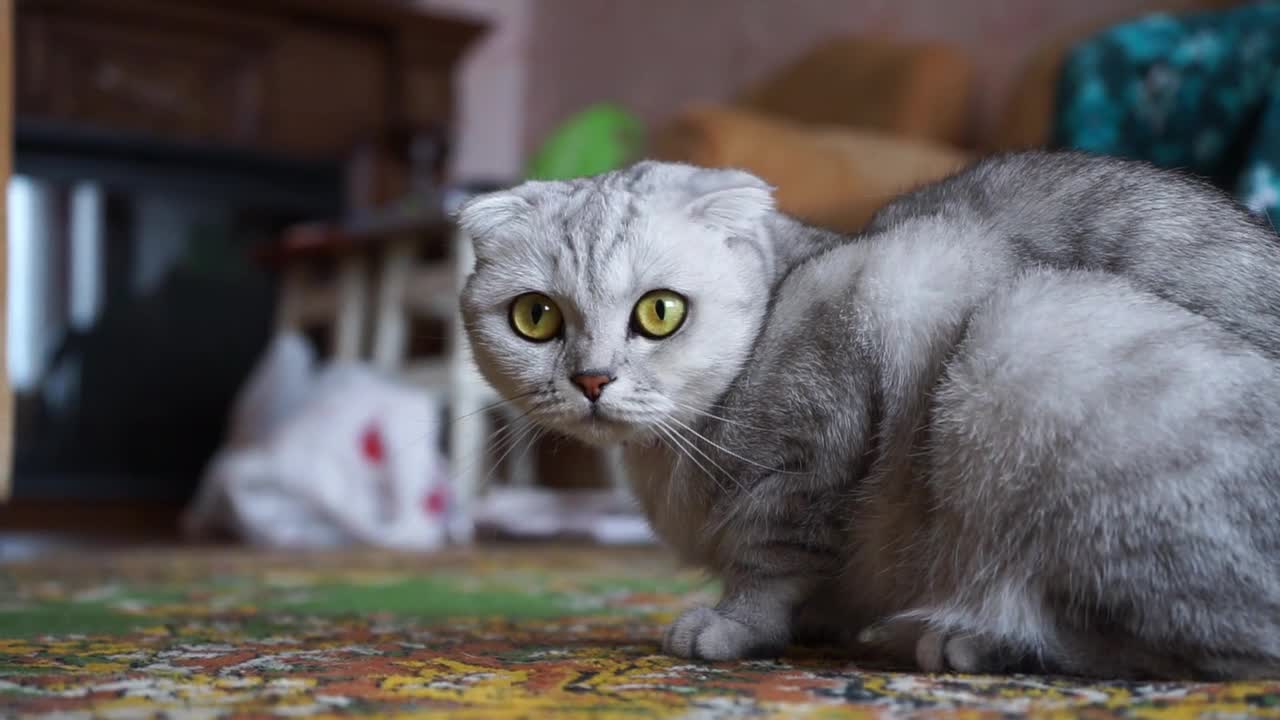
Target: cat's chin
602,431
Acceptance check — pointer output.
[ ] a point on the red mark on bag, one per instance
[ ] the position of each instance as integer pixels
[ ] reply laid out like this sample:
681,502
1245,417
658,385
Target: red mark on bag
434,502
371,445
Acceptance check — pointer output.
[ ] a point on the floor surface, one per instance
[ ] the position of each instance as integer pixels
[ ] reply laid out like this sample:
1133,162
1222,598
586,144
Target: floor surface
496,633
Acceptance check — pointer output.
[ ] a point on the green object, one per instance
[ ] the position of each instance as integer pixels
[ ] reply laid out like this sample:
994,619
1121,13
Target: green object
599,139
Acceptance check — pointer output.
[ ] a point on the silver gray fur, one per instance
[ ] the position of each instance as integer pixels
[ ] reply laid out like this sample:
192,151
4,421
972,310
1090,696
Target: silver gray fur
1029,420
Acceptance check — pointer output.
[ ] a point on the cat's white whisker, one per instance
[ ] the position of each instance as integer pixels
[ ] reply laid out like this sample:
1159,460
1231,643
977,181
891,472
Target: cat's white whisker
498,438
738,483
713,416
727,451
493,406
677,443
529,430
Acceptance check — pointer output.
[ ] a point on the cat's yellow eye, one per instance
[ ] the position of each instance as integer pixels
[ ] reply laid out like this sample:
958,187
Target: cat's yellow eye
535,317
659,314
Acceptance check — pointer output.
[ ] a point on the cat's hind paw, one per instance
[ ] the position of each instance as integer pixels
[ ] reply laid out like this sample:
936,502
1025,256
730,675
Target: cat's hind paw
939,652
702,633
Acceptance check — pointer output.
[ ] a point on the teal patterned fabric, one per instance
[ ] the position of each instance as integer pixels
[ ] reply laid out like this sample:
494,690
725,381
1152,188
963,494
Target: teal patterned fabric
1198,92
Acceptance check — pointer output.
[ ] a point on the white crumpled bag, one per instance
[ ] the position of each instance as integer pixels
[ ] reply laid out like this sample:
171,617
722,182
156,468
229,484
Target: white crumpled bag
319,457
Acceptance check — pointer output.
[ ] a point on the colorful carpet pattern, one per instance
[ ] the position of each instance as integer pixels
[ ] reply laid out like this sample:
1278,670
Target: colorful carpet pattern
536,632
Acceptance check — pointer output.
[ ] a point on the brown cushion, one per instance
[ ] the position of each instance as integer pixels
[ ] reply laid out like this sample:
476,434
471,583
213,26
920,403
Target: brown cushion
833,177
919,91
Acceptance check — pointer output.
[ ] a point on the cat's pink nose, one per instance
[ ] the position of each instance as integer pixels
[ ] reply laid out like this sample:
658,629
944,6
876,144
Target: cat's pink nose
592,383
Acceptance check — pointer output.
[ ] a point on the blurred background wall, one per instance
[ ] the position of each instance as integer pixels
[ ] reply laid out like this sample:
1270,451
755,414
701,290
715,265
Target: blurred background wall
492,88
548,58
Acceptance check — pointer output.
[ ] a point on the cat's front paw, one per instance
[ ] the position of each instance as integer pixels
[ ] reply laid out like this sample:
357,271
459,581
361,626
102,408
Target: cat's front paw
701,633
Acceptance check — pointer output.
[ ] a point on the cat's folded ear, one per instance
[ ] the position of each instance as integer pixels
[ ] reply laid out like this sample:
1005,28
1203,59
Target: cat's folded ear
733,200
487,219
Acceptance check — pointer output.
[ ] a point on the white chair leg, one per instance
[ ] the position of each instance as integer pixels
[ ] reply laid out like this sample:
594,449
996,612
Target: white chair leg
615,465
469,431
352,288
391,319
293,289
522,461
468,458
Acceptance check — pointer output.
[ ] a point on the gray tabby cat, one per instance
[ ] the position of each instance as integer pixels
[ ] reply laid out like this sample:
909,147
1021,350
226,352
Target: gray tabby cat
1029,420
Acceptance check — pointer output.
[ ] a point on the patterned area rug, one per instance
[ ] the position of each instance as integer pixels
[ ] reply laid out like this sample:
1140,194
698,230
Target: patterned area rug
536,632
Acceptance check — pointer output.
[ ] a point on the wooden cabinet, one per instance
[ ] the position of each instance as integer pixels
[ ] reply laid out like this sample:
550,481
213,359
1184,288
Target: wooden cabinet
184,84
309,78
